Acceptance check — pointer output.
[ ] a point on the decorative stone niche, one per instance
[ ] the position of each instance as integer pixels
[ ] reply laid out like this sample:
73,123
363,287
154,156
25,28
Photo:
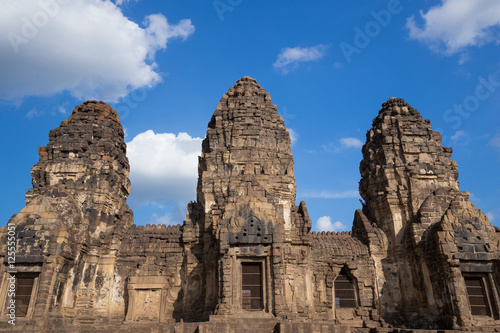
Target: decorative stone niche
147,298
254,231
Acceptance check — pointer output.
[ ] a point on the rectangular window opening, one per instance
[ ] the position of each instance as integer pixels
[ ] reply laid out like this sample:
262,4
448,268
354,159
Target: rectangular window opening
24,284
477,294
345,296
251,286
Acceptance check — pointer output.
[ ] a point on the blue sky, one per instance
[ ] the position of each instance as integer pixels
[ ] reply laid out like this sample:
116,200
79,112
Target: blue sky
328,65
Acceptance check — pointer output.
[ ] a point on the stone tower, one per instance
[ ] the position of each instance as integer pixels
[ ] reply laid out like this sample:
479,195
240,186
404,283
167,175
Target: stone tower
86,158
403,163
75,215
409,184
245,200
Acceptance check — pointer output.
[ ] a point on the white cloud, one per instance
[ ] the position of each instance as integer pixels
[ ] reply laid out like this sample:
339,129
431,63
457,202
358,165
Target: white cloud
160,213
344,143
490,216
330,194
455,25
325,223
473,198
34,113
88,48
337,65
162,219
464,57
294,136
495,141
351,143
124,2
163,167
289,58
459,135
61,109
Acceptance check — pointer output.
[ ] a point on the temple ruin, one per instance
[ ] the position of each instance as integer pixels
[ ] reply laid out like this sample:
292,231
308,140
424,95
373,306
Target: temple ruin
420,255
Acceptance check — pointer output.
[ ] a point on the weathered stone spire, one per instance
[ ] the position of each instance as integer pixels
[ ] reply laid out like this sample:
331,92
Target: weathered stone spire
86,158
246,153
245,198
410,186
403,163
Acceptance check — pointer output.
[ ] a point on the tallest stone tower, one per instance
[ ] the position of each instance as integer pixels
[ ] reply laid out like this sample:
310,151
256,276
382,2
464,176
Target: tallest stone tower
247,153
245,205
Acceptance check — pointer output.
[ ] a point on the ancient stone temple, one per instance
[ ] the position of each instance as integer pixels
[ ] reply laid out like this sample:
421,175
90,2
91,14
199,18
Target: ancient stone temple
420,255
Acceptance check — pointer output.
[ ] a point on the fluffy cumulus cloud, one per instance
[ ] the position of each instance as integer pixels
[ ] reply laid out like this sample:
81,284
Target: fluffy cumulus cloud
325,223
344,143
163,167
88,48
289,58
455,25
